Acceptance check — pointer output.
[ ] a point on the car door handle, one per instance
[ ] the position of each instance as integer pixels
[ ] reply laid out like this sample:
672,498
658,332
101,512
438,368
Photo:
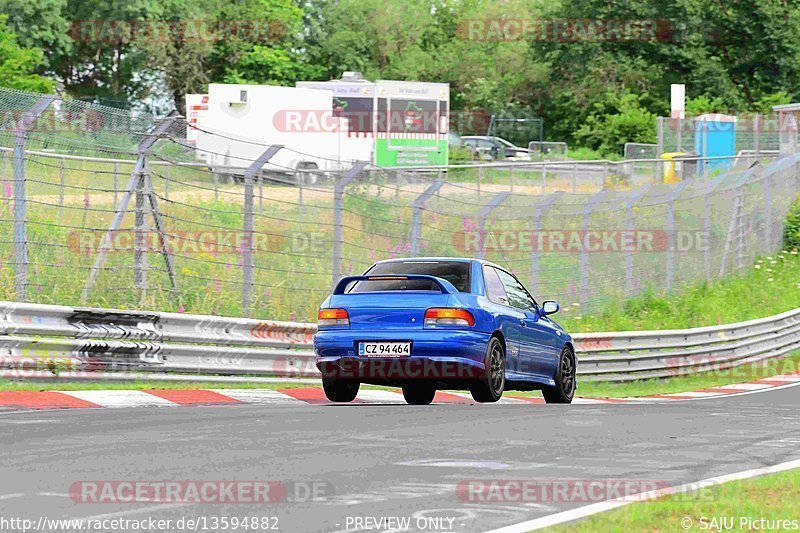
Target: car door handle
522,322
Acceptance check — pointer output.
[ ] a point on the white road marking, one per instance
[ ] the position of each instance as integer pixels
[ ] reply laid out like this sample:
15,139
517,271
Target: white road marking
693,394
10,496
589,401
501,401
120,398
258,396
601,507
380,396
788,379
746,386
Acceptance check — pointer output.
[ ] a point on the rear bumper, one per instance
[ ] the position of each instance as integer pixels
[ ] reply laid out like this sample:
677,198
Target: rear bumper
442,355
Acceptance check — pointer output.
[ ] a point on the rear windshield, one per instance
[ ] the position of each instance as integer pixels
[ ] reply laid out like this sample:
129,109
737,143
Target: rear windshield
456,272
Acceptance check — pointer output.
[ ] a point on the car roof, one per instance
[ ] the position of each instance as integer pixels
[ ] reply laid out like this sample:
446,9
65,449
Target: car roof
457,259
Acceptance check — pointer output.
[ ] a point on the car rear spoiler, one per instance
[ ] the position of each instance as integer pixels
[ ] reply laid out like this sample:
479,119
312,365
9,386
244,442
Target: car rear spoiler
445,286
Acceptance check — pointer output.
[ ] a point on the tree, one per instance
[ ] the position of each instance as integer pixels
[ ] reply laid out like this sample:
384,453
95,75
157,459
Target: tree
107,60
181,56
262,44
40,24
18,65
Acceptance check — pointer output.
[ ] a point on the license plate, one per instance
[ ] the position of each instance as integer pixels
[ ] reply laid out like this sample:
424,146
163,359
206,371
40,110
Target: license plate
384,349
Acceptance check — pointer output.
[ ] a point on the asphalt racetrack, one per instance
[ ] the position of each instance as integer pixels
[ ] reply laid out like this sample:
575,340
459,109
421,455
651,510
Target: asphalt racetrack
373,462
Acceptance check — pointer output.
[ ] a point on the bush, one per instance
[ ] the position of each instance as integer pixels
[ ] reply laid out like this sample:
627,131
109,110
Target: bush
617,120
791,233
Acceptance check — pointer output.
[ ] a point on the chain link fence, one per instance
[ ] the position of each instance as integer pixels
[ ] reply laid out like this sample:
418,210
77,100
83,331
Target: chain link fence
125,214
757,133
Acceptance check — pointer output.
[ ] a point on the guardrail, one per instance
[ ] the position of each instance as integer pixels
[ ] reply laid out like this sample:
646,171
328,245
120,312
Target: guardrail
85,342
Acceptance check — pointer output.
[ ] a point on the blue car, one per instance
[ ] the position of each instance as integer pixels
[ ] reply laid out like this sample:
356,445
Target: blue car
441,323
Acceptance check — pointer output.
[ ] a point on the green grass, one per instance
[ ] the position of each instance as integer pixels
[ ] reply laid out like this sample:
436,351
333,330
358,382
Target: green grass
769,287
772,497
749,372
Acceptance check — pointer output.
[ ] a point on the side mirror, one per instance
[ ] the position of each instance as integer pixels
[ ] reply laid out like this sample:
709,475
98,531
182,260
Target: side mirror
548,308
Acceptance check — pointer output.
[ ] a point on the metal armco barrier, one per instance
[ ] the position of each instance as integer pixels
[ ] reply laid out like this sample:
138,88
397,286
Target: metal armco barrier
71,340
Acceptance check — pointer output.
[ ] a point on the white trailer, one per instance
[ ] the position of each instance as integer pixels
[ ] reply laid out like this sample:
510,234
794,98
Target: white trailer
243,120
391,123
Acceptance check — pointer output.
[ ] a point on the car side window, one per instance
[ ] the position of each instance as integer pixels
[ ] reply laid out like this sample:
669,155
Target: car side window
494,287
517,295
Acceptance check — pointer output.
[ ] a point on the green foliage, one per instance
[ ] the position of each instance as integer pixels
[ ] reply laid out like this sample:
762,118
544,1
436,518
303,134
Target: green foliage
459,155
18,64
704,104
727,300
791,233
40,24
617,120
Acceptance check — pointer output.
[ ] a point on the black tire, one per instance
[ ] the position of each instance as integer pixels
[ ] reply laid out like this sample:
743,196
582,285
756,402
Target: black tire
564,390
340,390
419,393
490,388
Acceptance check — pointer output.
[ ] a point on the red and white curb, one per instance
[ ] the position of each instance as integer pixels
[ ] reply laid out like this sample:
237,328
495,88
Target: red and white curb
16,401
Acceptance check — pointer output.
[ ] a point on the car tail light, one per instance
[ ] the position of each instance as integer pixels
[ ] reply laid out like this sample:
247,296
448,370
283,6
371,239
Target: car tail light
447,316
333,317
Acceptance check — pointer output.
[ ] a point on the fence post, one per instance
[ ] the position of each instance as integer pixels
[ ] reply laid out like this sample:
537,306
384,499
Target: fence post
587,213
299,181
671,232
249,226
480,179
338,209
261,194
20,220
735,226
637,195
133,188
140,230
540,211
20,206
768,213
216,185
416,214
483,215
757,134
659,149
707,224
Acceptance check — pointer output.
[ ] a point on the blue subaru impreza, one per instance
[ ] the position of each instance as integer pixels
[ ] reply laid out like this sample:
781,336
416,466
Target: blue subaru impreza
441,323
